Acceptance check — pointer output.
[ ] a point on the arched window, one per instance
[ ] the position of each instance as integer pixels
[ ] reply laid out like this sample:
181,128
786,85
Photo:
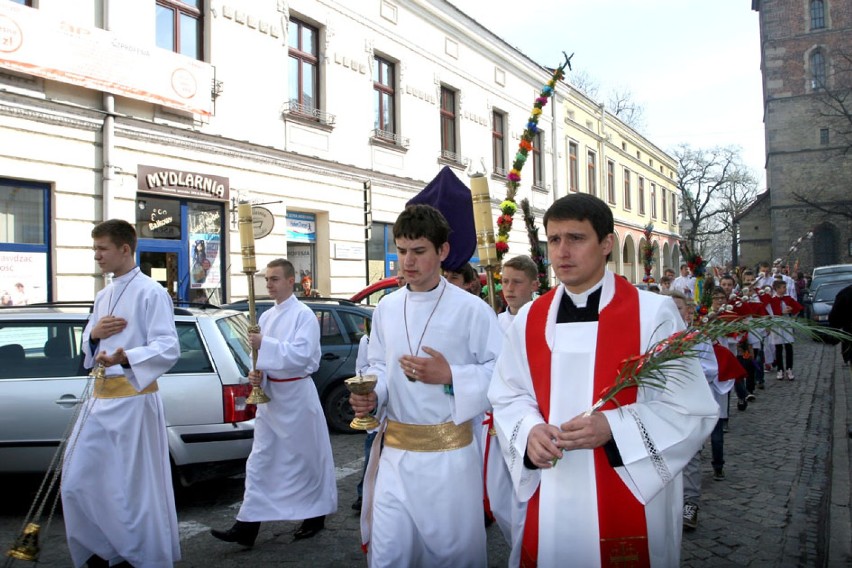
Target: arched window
817,14
817,70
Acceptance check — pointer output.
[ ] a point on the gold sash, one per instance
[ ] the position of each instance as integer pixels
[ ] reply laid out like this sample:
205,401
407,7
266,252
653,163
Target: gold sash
428,437
119,387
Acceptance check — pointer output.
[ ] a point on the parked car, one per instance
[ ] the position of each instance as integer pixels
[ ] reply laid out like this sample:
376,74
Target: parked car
819,280
831,269
385,286
42,379
822,299
342,323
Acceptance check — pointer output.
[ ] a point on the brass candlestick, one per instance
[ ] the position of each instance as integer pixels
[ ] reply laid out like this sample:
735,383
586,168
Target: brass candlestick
26,545
482,216
257,395
363,384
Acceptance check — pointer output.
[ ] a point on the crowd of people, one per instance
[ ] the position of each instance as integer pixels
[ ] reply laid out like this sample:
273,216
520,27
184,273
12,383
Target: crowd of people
514,418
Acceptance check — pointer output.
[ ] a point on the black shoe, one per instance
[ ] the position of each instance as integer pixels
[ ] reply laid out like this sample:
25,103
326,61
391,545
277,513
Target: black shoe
742,404
242,533
309,528
356,506
718,474
96,561
751,397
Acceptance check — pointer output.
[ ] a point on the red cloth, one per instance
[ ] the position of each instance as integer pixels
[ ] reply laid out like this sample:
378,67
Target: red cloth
729,366
777,309
621,518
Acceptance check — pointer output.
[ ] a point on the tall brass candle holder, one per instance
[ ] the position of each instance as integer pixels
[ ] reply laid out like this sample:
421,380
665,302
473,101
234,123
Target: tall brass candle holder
257,395
482,220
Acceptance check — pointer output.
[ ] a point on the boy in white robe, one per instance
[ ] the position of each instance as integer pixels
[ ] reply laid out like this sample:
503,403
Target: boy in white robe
117,496
615,491
290,471
519,277
433,347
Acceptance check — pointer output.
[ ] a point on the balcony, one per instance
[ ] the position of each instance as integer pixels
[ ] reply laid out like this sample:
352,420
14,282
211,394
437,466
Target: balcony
390,139
453,159
296,109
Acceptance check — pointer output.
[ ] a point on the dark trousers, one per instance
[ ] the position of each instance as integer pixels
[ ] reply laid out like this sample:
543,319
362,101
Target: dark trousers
748,365
759,371
780,352
368,443
717,438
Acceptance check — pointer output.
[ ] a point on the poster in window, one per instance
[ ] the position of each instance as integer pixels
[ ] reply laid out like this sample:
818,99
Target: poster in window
204,271
23,278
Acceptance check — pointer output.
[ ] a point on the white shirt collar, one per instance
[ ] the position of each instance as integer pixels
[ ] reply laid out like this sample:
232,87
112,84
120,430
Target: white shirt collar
582,298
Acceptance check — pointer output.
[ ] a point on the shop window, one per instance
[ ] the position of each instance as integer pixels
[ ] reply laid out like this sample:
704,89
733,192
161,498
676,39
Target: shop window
24,242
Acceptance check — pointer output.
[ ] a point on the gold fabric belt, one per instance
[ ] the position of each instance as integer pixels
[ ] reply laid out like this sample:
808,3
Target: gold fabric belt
428,437
119,387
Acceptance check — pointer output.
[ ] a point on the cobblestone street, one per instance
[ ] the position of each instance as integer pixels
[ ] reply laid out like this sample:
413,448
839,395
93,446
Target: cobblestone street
787,472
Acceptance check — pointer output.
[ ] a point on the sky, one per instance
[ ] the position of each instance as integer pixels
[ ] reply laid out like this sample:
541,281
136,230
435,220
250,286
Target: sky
693,65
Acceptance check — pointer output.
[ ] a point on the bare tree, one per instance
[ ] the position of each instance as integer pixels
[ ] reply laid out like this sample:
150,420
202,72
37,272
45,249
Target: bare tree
585,83
622,104
715,186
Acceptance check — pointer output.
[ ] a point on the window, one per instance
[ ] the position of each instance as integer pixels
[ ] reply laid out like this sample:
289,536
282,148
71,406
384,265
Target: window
817,70
573,167
303,41
627,192
448,125
674,209
179,26
498,142
823,136
193,356
385,109
538,164
23,2
610,181
640,194
663,202
817,14
592,173
43,349
653,199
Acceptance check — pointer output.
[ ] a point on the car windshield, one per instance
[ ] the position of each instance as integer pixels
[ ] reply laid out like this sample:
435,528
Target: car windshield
827,292
235,330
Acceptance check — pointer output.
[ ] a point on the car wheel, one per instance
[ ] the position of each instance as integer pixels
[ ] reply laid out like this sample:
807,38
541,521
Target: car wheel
338,412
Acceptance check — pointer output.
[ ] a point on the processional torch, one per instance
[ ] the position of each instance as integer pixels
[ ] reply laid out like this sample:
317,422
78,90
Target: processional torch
257,395
484,232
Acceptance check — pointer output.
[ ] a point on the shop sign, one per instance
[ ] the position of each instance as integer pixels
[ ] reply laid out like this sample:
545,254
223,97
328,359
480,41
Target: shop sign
262,221
34,42
301,227
178,183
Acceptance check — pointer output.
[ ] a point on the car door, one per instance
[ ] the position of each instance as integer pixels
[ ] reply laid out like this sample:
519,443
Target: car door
42,382
335,344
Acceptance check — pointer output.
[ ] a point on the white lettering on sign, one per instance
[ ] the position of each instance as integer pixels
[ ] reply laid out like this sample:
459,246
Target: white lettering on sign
183,179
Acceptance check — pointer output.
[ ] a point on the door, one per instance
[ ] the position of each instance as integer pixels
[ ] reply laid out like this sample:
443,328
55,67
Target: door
163,262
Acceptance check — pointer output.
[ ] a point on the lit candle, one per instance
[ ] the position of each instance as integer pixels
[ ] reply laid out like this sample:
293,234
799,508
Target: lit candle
482,220
246,237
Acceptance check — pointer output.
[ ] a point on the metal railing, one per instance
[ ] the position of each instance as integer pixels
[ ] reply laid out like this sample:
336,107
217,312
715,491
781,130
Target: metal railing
297,108
391,137
453,157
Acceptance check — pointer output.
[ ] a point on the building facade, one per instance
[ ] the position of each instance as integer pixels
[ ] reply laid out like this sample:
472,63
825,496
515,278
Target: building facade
327,116
806,62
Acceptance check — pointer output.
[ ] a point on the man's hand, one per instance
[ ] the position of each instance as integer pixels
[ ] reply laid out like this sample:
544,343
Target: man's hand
363,404
108,326
255,378
542,450
433,370
254,340
585,432
117,358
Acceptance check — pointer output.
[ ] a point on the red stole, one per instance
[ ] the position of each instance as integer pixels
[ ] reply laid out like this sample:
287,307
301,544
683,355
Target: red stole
621,518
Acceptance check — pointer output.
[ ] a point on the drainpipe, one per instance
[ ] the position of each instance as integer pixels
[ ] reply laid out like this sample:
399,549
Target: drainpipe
108,136
555,144
107,154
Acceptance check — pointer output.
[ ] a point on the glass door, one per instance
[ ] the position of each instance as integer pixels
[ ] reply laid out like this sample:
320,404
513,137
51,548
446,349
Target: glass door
161,260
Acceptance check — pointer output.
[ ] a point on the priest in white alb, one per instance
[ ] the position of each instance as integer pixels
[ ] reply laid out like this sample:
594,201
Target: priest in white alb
602,488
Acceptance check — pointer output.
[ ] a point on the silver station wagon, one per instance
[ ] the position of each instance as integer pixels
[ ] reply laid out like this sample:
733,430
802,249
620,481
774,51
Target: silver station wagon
42,382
